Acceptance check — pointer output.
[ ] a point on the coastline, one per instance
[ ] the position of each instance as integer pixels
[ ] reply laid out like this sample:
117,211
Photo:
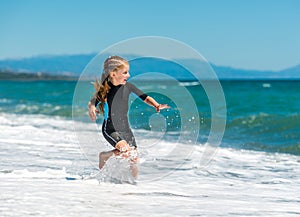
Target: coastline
44,76
25,76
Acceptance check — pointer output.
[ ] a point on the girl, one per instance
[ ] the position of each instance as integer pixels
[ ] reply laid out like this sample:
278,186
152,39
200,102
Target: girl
111,97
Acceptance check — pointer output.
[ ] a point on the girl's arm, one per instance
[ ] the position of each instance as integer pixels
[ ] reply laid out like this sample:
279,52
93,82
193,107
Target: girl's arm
150,101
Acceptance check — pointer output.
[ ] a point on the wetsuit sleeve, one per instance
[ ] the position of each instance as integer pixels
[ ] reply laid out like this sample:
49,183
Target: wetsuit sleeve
137,91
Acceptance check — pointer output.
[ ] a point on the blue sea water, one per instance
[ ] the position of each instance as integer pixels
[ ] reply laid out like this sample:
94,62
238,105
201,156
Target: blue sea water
261,115
254,172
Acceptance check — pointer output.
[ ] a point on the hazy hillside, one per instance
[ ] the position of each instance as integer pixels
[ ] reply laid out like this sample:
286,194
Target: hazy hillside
73,65
64,64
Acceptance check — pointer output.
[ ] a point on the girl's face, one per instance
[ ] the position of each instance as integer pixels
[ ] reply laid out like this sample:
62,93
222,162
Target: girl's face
120,76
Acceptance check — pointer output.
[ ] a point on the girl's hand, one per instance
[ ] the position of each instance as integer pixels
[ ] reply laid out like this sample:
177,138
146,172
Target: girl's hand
92,111
161,106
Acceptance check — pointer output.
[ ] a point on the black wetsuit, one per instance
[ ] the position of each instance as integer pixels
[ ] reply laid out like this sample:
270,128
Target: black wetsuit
116,126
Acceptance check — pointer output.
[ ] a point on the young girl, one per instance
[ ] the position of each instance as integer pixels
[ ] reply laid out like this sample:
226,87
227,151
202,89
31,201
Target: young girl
111,97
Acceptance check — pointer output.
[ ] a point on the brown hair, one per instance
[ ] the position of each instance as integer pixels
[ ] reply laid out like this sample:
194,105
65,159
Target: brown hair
102,87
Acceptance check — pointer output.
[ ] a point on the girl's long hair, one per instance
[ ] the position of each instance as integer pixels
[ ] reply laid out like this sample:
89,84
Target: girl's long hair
102,87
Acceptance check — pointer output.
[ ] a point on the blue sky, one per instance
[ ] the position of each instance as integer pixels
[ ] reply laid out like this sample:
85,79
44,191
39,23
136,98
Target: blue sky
247,34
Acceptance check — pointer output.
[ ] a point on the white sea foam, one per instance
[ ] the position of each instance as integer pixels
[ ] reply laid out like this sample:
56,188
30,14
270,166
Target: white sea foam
43,172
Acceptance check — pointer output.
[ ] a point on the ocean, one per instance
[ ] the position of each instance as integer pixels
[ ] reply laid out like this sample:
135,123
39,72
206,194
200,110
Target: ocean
49,151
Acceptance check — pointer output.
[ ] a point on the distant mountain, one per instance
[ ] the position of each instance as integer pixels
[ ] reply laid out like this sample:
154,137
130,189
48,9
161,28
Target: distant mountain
73,65
61,64
233,73
293,71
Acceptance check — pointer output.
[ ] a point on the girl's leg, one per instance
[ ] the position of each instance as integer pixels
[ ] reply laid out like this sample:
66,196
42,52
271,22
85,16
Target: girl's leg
134,169
105,155
127,153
